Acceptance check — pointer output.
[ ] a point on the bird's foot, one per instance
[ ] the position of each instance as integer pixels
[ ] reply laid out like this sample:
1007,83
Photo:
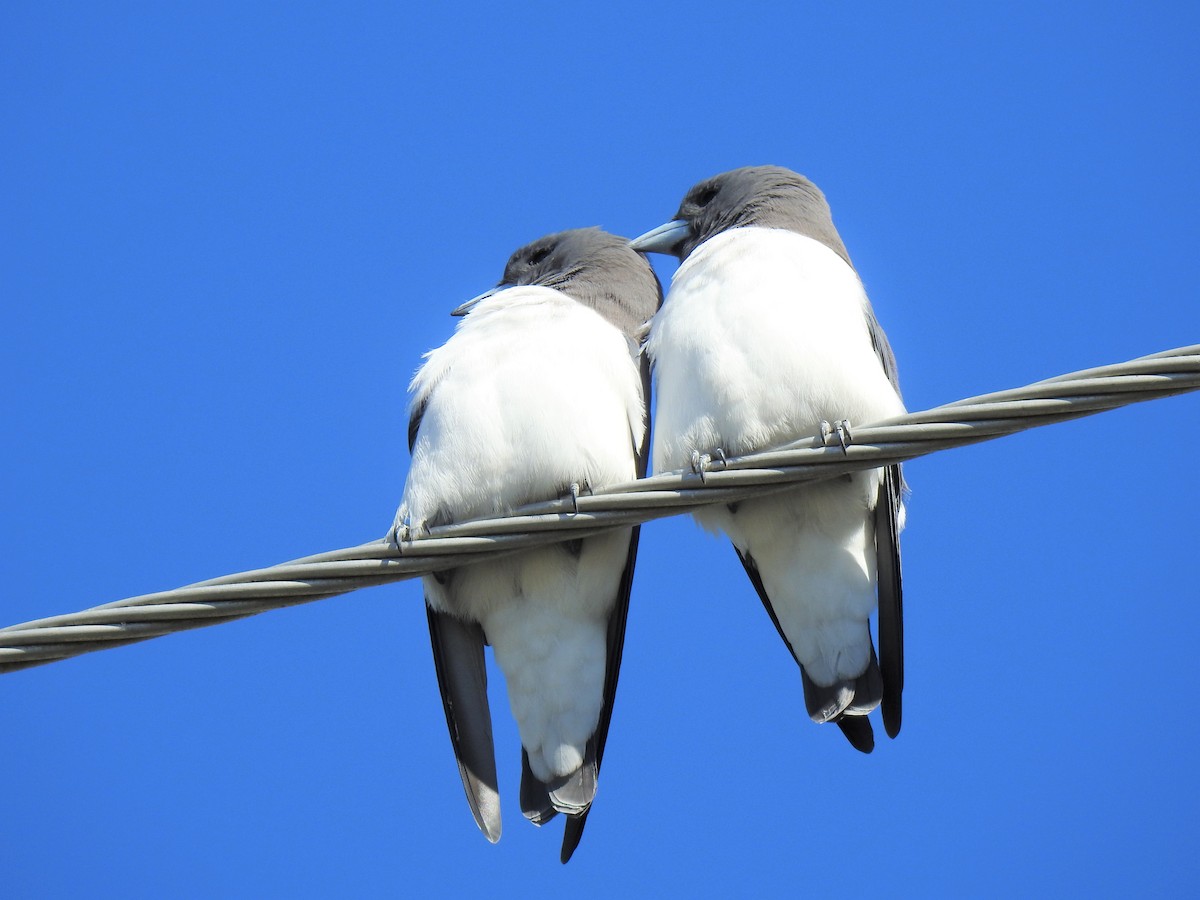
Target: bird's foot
574,489
702,462
839,430
403,532
400,532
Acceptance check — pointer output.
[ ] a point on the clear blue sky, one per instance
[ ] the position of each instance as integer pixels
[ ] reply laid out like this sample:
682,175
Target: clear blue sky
228,235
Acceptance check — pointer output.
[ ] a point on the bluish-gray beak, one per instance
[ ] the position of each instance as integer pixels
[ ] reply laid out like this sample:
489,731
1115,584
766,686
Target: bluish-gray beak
664,238
463,308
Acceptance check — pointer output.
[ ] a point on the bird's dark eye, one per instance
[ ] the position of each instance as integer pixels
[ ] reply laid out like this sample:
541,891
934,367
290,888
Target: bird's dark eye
705,196
539,256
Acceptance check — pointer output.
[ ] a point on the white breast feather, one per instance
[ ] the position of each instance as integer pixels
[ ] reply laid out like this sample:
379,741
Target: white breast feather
532,393
763,336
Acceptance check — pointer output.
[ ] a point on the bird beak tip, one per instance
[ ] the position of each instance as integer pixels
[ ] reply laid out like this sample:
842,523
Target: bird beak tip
665,238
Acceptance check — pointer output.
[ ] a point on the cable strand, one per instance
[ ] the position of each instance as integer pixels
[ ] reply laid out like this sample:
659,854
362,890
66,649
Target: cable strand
332,573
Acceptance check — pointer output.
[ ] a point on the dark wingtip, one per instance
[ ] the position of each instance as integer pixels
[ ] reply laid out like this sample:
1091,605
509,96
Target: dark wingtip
858,732
462,680
891,716
572,835
891,595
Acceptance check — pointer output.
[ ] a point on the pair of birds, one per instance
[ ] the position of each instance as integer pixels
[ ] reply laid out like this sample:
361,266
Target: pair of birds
765,337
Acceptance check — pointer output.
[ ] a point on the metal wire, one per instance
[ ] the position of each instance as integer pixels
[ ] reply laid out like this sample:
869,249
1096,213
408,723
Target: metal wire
337,572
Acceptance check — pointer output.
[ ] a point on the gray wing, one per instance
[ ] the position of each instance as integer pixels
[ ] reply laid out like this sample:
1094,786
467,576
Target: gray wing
883,349
414,420
462,679
417,407
891,596
573,831
887,557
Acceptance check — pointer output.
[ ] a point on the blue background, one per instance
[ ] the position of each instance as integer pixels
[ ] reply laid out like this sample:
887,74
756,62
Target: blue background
230,232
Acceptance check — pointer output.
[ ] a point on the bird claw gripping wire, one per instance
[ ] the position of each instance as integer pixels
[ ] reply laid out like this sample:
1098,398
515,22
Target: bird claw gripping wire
574,489
401,532
702,462
840,430
404,532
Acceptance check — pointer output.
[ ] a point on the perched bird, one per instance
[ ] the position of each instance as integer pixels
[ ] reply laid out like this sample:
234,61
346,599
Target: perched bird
542,391
766,337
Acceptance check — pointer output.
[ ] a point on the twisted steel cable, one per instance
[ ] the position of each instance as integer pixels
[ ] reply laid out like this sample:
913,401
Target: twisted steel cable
336,572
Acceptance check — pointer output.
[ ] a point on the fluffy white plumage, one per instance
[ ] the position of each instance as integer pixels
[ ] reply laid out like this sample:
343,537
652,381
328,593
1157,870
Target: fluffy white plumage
763,336
532,393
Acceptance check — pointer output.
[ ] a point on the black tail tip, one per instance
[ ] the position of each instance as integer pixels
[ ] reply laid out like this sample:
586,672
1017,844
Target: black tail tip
858,731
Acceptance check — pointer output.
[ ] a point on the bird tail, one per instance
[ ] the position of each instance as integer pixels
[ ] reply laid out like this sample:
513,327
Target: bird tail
847,703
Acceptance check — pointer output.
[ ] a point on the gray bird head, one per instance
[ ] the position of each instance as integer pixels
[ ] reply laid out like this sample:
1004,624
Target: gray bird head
593,267
767,196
